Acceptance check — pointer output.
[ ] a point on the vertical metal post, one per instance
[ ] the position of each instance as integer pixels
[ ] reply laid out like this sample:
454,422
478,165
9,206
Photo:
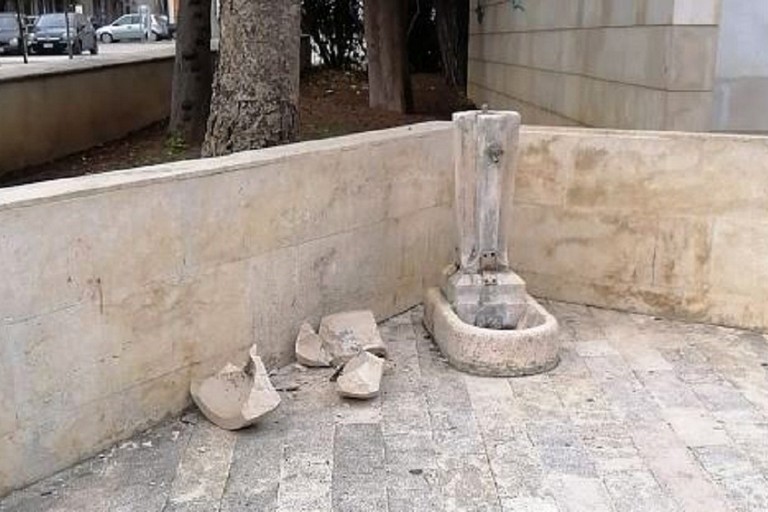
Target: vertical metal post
22,32
66,22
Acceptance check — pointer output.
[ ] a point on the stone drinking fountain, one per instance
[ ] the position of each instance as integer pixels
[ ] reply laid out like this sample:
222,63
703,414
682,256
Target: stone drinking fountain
482,318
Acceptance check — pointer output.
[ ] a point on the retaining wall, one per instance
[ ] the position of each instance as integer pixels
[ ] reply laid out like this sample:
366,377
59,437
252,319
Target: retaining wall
663,223
118,289
57,109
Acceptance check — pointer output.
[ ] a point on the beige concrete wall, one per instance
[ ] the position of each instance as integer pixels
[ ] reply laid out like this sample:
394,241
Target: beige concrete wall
51,113
662,223
117,289
635,64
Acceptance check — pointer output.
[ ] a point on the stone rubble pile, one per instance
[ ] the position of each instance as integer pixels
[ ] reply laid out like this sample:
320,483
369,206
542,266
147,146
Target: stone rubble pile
352,343
239,396
236,397
347,334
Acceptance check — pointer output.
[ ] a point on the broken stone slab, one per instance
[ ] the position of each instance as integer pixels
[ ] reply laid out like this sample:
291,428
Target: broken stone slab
361,376
310,350
346,334
236,397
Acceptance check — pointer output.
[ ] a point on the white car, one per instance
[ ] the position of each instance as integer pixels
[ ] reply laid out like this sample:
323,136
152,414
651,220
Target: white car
131,26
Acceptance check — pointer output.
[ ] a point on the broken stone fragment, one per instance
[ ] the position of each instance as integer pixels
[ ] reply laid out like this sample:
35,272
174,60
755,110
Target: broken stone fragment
344,335
236,397
361,376
309,348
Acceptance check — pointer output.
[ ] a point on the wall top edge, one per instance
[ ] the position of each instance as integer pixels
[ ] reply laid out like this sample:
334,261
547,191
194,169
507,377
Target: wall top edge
34,71
69,188
643,134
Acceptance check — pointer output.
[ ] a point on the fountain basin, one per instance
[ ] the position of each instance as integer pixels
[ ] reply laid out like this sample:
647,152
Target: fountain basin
530,349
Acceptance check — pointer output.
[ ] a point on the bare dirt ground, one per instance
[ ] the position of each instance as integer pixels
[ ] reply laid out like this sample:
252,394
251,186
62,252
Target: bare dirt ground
332,103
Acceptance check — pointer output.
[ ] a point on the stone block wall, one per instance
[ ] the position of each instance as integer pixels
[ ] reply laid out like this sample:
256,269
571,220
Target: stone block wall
53,110
661,223
634,64
119,288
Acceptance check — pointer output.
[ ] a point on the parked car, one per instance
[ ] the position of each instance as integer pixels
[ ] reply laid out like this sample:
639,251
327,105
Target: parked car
50,34
161,29
10,36
131,26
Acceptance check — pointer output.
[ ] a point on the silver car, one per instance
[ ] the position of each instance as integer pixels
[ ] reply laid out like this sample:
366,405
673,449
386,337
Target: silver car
132,26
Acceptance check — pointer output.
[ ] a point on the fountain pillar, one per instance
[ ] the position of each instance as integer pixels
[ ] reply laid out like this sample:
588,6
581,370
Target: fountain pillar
481,317
483,290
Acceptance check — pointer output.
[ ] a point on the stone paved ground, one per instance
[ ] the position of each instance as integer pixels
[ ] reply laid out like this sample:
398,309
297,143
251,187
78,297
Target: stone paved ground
642,414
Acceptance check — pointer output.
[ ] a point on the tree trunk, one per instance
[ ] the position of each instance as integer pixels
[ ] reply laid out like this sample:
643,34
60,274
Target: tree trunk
256,89
386,27
453,33
193,72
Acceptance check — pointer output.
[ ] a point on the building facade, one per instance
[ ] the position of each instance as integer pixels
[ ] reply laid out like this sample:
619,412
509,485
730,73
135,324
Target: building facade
693,65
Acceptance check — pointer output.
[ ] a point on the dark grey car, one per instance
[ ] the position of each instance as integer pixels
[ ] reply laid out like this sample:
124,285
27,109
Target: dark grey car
10,37
50,35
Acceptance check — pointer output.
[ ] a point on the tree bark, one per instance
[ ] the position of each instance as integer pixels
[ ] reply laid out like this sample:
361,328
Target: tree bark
193,72
256,88
452,18
386,27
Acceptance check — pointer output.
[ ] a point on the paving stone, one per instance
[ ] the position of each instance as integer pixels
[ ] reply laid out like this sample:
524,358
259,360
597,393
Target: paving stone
745,486
496,410
638,491
359,468
642,358
611,447
578,494
668,391
675,468
612,430
589,326
721,397
135,475
516,467
403,365
357,411
203,470
561,449
412,474
405,413
571,365
537,398
254,486
595,348
466,483
413,451
695,427
528,504
305,478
